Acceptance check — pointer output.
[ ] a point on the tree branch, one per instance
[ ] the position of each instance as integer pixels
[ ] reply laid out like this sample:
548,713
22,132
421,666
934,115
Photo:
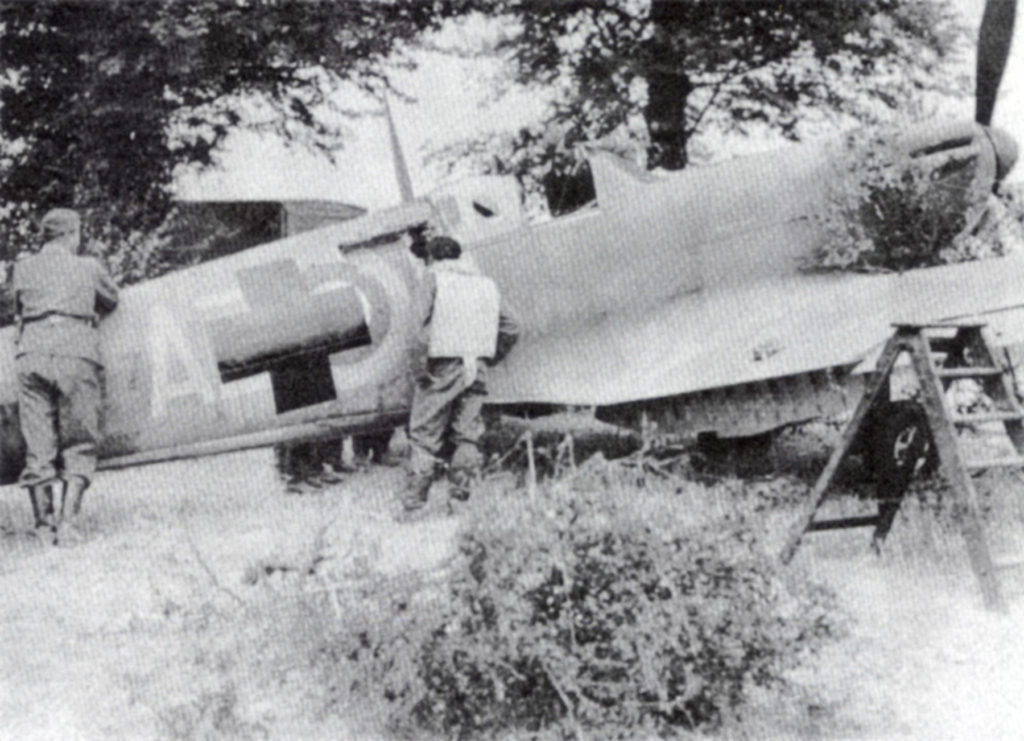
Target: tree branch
718,86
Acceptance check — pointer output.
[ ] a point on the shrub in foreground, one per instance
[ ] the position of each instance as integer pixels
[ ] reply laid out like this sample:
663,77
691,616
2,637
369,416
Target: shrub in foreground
588,612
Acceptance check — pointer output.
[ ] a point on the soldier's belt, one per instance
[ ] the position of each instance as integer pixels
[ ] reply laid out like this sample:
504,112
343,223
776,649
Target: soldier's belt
91,321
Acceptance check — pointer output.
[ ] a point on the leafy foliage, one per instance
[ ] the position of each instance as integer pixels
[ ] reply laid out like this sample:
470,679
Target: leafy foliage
588,613
103,101
659,73
889,210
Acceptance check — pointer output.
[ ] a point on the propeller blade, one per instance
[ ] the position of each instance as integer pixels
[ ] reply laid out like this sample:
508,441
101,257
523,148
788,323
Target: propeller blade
994,39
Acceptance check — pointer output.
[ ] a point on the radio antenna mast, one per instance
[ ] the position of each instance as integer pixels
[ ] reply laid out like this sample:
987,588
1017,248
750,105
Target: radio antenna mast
397,156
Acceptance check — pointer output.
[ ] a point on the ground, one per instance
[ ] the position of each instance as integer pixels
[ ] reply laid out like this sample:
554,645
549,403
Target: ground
185,614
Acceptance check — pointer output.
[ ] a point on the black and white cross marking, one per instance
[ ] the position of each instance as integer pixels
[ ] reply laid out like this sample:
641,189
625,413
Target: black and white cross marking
291,330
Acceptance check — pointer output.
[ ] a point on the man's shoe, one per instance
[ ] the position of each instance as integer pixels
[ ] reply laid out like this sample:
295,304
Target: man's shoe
405,516
69,533
74,493
416,493
411,502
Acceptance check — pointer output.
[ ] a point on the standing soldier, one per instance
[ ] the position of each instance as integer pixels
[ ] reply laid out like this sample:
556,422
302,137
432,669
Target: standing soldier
59,296
464,332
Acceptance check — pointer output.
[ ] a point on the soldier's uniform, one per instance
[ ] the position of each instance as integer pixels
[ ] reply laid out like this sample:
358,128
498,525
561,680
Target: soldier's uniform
450,388
60,297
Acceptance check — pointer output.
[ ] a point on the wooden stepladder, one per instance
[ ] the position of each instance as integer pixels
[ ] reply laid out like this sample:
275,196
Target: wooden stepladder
966,352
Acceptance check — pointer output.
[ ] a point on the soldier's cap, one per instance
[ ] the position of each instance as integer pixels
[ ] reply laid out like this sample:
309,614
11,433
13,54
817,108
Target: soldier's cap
443,248
60,221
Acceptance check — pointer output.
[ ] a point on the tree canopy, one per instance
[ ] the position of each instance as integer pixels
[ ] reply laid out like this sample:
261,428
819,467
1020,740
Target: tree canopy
666,70
102,101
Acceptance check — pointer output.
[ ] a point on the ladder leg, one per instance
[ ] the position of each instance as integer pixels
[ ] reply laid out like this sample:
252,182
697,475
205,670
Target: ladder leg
871,394
1006,388
955,472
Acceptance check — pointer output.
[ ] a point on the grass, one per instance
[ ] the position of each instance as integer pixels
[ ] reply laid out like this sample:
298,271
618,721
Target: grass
203,602
917,605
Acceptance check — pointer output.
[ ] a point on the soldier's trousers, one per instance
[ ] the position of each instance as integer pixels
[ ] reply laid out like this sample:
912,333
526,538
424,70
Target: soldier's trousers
59,405
445,409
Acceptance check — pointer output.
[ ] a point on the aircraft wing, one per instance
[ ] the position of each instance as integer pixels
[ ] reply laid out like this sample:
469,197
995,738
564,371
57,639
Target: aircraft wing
740,334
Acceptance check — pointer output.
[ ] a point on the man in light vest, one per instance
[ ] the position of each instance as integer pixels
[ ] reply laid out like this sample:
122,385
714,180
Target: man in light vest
464,331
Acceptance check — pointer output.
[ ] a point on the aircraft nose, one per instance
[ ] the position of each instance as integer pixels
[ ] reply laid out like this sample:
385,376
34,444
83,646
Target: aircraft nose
1006,151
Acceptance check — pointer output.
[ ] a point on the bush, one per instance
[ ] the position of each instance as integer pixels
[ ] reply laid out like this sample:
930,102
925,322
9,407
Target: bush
588,611
888,210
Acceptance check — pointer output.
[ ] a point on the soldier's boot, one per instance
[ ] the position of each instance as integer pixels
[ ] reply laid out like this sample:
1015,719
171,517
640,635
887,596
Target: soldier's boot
416,492
414,497
74,494
37,514
42,496
69,530
464,472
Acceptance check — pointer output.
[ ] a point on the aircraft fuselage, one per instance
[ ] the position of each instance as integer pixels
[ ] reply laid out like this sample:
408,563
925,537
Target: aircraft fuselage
671,286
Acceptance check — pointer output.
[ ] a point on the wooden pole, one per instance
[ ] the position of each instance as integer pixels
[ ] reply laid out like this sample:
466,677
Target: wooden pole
531,482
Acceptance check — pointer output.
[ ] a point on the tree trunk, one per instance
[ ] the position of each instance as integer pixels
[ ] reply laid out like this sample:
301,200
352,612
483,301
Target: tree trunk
668,87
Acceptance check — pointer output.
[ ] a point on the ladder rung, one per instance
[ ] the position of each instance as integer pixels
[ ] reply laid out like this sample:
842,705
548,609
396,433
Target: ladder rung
1010,461
844,522
978,372
987,417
